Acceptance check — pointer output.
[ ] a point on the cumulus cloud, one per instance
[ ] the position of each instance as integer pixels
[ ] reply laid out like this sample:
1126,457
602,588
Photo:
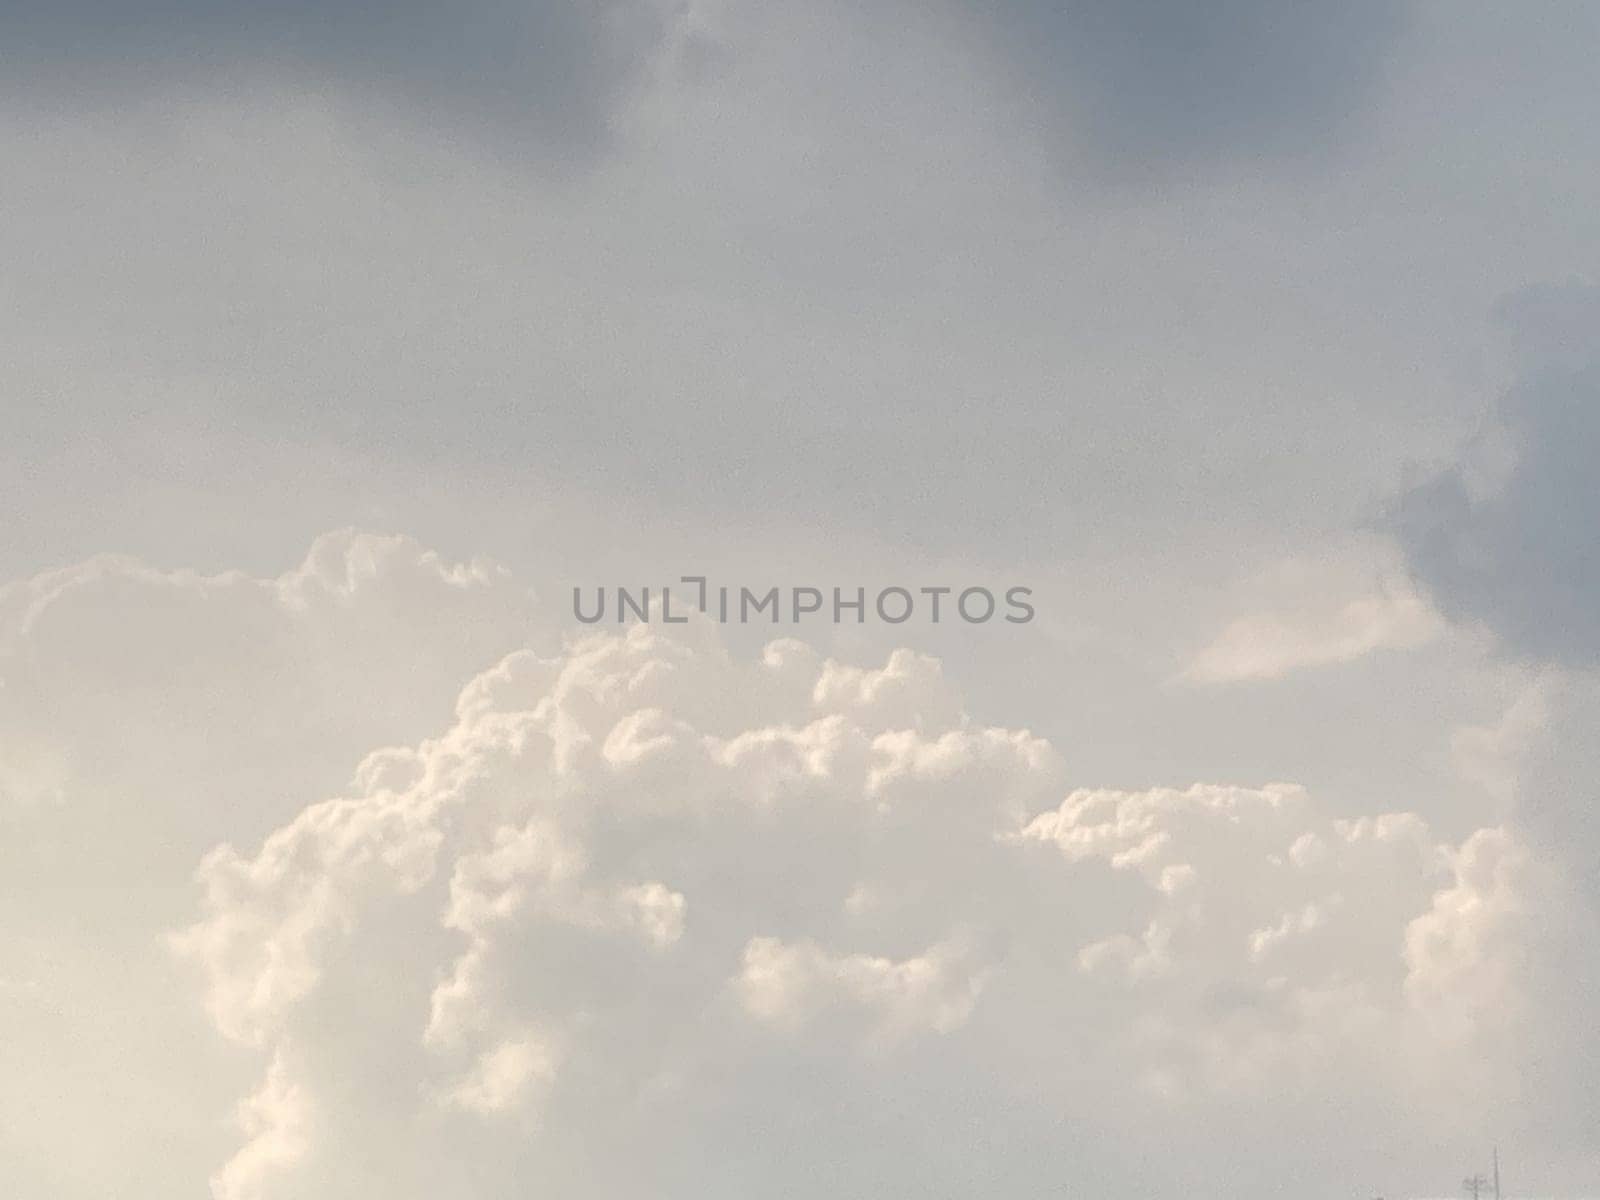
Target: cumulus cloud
643,883
1541,757
1503,538
1468,955
640,915
145,715
116,676
788,984
275,1120
600,851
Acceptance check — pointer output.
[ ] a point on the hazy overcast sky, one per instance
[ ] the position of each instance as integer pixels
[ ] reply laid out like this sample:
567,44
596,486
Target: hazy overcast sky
1259,339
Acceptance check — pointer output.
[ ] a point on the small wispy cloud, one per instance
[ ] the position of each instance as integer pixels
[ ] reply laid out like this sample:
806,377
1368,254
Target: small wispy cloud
1314,614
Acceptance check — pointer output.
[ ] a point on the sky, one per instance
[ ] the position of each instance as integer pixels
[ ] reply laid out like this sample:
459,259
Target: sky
346,340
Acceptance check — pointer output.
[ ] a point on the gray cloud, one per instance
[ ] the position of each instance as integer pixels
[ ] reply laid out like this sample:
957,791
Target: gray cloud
541,72
818,283
1149,81
1162,79
1507,535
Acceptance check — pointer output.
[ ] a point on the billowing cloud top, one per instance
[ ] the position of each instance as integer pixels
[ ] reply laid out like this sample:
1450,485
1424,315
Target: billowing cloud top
646,915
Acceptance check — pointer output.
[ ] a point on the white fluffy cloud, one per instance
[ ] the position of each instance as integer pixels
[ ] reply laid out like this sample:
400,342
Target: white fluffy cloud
641,916
146,715
1275,942
641,884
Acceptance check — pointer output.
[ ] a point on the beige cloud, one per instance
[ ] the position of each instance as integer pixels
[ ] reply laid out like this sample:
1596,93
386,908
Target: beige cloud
1317,612
633,908
605,888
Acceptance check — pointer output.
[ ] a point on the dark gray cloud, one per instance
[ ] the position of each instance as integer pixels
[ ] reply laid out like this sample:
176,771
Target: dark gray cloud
1157,80
1148,81
1521,552
546,71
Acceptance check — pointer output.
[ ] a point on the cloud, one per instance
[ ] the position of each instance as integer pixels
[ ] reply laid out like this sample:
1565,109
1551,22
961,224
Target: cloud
547,72
276,1121
1501,539
1158,81
1543,756
146,714
789,984
1143,83
761,285
1493,755
1504,536
116,677
1314,612
637,913
641,891
1468,954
